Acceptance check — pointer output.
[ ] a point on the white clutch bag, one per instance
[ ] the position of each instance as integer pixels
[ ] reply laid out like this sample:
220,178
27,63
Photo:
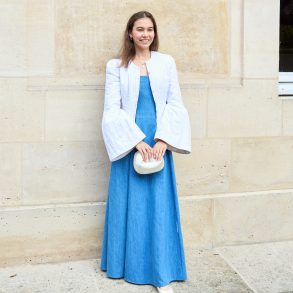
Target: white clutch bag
147,167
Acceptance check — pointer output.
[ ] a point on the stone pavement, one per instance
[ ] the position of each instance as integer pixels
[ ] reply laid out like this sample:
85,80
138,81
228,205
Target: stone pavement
265,267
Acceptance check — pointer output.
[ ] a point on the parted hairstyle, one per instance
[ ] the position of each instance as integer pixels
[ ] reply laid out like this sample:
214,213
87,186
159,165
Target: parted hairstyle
127,51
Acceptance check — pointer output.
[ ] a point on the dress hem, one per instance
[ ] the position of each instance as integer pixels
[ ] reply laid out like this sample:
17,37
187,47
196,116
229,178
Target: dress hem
176,279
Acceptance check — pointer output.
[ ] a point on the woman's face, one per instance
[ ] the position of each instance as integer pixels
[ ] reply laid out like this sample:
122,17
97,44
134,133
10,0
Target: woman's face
143,33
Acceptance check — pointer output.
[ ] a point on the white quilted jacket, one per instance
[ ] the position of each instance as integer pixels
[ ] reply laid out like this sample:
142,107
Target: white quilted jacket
120,132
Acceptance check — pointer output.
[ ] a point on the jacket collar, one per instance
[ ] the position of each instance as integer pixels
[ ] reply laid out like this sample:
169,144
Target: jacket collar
148,62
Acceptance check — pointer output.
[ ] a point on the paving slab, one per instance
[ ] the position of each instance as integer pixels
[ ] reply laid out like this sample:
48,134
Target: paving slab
207,273
265,267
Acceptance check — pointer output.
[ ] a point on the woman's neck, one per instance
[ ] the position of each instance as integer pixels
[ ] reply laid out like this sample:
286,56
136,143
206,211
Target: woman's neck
142,54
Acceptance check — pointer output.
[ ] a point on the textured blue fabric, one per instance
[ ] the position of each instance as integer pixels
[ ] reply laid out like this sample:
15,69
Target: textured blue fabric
142,233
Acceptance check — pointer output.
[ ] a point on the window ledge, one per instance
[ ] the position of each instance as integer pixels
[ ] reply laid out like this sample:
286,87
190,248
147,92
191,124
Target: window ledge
286,85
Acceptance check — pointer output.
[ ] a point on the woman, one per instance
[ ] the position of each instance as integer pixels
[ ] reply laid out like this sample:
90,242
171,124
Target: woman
143,112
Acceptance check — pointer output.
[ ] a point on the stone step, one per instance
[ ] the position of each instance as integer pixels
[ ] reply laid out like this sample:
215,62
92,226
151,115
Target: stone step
61,232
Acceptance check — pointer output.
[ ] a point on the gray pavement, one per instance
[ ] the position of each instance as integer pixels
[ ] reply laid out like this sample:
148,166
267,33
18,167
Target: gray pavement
265,267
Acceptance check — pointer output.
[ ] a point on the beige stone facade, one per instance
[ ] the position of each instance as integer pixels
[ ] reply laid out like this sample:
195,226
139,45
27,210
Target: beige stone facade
235,187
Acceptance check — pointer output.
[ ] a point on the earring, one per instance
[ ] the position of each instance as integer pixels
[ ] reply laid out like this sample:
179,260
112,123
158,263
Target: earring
130,37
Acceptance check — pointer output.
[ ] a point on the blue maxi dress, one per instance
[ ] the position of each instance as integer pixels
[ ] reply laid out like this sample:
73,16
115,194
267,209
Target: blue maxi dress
142,232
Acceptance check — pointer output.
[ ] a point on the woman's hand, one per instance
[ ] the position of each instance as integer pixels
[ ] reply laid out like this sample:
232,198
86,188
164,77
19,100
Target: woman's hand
159,149
145,150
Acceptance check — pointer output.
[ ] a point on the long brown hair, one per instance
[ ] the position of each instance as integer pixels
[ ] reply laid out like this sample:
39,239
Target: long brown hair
127,51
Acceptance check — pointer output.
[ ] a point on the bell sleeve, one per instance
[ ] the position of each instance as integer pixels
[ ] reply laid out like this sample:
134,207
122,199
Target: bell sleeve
173,126
120,132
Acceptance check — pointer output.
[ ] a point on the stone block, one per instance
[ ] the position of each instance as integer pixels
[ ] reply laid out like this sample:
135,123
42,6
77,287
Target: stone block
236,38
79,44
261,39
50,233
253,217
74,115
261,164
13,60
196,222
10,173
253,110
287,117
27,45
64,172
206,169
21,112
40,42
195,101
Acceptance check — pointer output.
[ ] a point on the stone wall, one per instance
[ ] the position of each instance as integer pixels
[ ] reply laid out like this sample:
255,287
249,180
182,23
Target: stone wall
53,164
